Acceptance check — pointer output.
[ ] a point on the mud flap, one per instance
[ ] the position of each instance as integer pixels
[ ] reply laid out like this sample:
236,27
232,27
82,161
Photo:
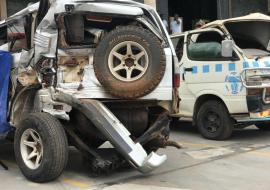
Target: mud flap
115,132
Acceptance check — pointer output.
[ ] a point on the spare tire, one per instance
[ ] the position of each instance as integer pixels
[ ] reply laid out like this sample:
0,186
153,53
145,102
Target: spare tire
129,62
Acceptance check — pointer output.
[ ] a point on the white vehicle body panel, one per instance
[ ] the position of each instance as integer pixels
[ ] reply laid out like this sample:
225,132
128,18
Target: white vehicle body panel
46,40
60,87
93,89
218,78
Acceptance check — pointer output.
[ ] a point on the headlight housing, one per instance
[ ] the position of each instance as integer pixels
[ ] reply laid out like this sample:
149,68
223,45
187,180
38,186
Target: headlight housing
256,78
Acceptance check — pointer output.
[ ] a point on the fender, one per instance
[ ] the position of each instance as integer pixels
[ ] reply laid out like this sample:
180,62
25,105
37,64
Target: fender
215,93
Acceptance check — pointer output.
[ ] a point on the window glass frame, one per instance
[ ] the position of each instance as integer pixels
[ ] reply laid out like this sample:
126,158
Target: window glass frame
182,37
189,36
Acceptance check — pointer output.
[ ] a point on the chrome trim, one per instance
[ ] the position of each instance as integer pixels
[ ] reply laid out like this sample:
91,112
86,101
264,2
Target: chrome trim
264,97
243,79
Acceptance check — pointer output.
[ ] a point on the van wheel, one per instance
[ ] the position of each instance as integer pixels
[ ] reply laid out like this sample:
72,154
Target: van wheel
129,62
41,147
214,121
263,126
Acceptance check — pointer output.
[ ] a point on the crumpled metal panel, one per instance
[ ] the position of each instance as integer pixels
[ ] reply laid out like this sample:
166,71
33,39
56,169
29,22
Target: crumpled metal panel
72,69
42,41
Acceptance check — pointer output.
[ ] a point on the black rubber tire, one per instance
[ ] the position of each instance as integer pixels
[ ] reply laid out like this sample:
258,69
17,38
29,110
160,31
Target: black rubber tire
149,81
225,122
263,126
55,147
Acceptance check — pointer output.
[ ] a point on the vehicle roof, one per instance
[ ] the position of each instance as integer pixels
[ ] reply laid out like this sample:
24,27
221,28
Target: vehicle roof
128,2
250,17
34,7
193,31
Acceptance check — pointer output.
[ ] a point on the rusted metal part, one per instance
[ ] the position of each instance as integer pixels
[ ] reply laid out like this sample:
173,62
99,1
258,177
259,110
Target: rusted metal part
47,71
160,124
62,32
28,77
157,136
173,144
99,18
80,145
176,101
72,68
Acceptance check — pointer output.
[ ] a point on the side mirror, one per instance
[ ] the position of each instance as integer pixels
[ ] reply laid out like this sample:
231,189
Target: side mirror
268,46
227,48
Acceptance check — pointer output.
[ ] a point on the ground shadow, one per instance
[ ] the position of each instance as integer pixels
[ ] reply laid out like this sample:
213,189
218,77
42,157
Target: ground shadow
249,133
184,127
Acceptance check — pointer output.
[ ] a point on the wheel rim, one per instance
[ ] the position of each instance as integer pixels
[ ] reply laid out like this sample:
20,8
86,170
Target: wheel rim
128,61
211,122
31,149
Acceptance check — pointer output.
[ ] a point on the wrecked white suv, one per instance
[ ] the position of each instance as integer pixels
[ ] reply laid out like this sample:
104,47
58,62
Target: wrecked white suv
84,73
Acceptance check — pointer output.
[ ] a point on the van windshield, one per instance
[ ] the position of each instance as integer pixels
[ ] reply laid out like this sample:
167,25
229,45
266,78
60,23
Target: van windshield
253,37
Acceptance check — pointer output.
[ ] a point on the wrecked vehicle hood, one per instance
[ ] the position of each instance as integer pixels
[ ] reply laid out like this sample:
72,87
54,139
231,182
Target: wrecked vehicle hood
251,33
250,17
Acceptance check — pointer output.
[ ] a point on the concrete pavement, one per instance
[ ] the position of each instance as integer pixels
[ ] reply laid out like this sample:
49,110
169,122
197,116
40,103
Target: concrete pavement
243,162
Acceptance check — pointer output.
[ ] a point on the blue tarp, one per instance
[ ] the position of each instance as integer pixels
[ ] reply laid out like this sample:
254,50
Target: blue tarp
5,65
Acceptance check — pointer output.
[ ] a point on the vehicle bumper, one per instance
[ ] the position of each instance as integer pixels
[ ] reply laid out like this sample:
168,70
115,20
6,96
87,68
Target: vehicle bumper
256,104
152,162
253,117
115,132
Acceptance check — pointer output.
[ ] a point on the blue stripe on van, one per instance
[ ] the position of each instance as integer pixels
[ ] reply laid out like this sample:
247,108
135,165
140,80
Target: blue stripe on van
255,64
245,65
232,67
206,68
267,64
194,70
218,68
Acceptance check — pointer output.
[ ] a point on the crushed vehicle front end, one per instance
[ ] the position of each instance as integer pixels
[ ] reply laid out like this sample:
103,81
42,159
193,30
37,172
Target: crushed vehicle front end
251,35
103,69
256,80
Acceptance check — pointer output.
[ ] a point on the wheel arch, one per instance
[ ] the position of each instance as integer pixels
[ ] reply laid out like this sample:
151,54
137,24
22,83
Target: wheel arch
203,98
22,103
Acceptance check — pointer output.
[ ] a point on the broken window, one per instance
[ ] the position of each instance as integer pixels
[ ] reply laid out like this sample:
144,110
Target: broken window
178,43
251,36
3,35
79,30
19,34
84,30
205,46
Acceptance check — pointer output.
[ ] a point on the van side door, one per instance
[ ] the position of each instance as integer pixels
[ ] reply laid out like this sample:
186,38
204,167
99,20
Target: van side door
205,71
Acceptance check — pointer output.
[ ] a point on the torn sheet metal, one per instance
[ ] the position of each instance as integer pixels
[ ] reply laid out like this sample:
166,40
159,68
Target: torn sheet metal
72,69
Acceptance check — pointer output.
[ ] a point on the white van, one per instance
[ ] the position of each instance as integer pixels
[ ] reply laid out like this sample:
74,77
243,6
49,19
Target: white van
225,75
